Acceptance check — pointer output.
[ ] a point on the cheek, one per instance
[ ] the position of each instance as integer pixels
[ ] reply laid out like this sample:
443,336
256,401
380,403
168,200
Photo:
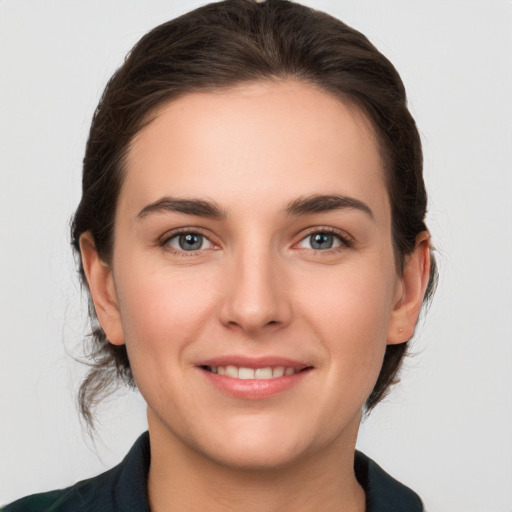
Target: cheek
163,313
356,299
351,310
163,310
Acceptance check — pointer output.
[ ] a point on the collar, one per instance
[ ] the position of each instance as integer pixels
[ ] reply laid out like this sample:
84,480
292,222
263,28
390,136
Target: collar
383,492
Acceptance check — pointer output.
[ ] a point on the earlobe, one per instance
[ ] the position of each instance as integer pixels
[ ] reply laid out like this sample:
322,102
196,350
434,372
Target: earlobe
101,286
413,284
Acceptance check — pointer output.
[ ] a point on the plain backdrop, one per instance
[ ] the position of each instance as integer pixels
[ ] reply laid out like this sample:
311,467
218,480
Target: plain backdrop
446,430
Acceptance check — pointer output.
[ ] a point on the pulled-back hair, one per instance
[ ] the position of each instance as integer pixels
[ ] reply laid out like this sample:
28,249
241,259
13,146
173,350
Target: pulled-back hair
222,45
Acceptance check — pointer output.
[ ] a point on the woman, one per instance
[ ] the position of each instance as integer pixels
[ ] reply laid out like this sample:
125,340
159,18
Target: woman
252,235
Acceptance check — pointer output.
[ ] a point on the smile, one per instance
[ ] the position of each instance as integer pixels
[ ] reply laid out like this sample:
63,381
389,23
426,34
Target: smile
254,378
243,373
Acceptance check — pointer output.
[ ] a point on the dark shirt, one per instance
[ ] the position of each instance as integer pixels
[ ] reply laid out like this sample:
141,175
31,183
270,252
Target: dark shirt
123,489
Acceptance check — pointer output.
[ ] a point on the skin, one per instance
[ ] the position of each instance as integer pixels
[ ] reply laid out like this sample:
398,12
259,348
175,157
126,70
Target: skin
255,288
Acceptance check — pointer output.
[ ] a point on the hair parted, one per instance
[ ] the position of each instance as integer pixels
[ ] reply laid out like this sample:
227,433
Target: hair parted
222,45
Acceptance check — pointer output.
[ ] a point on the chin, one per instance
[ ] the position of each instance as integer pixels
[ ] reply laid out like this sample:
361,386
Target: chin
255,456
255,445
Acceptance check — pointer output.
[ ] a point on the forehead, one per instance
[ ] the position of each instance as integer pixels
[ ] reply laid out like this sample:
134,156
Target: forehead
270,138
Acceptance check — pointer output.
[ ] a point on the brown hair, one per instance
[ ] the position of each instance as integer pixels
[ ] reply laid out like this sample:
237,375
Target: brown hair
218,46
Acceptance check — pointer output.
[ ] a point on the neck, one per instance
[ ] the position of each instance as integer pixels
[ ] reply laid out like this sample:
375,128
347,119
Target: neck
183,479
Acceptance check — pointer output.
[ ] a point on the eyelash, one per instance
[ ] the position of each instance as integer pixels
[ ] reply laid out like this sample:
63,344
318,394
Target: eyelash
345,240
164,243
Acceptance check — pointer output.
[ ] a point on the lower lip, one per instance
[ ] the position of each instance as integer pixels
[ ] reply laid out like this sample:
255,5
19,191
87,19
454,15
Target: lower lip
254,389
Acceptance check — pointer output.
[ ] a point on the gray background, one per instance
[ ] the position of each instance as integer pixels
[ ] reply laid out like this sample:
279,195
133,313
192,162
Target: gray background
446,430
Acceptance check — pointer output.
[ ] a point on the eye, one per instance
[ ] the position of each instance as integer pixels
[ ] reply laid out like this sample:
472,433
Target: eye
189,242
322,241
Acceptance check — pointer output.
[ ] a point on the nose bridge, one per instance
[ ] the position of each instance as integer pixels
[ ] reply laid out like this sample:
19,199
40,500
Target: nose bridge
255,295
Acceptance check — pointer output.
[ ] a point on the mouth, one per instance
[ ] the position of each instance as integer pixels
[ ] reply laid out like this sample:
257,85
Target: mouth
245,373
254,379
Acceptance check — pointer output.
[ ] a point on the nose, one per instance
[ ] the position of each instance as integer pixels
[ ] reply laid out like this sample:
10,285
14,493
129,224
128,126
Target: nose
256,295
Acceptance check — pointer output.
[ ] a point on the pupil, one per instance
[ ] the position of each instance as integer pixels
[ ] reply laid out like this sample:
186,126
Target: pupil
321,241
191,242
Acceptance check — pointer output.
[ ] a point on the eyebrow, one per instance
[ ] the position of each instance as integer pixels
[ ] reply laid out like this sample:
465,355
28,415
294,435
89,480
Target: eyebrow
325,203
198,207
300,206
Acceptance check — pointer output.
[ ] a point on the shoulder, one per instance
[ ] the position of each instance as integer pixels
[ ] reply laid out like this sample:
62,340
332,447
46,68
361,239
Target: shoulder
36,502
95,492
122,488
383,492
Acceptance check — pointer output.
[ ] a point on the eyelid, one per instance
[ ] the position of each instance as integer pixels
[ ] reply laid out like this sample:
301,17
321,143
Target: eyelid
163,241
347,240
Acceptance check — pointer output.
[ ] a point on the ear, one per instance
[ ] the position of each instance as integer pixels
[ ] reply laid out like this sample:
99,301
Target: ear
101,286
410,292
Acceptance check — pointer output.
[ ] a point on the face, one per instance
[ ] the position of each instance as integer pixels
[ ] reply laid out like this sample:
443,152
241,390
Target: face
253,278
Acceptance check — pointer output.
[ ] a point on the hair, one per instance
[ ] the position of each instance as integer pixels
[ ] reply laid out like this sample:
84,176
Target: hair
219,46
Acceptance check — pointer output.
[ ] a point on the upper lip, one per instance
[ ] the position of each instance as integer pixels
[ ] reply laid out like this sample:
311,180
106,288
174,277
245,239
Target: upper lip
254,362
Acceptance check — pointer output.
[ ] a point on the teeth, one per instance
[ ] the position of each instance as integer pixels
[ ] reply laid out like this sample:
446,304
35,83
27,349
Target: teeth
251,373
263,373
278,371
231,371
246,373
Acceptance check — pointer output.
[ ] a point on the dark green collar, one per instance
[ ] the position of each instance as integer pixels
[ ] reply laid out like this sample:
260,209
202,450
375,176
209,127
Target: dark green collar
383,492
123,489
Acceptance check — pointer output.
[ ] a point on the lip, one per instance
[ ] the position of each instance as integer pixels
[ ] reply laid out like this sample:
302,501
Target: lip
254,362
254,389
